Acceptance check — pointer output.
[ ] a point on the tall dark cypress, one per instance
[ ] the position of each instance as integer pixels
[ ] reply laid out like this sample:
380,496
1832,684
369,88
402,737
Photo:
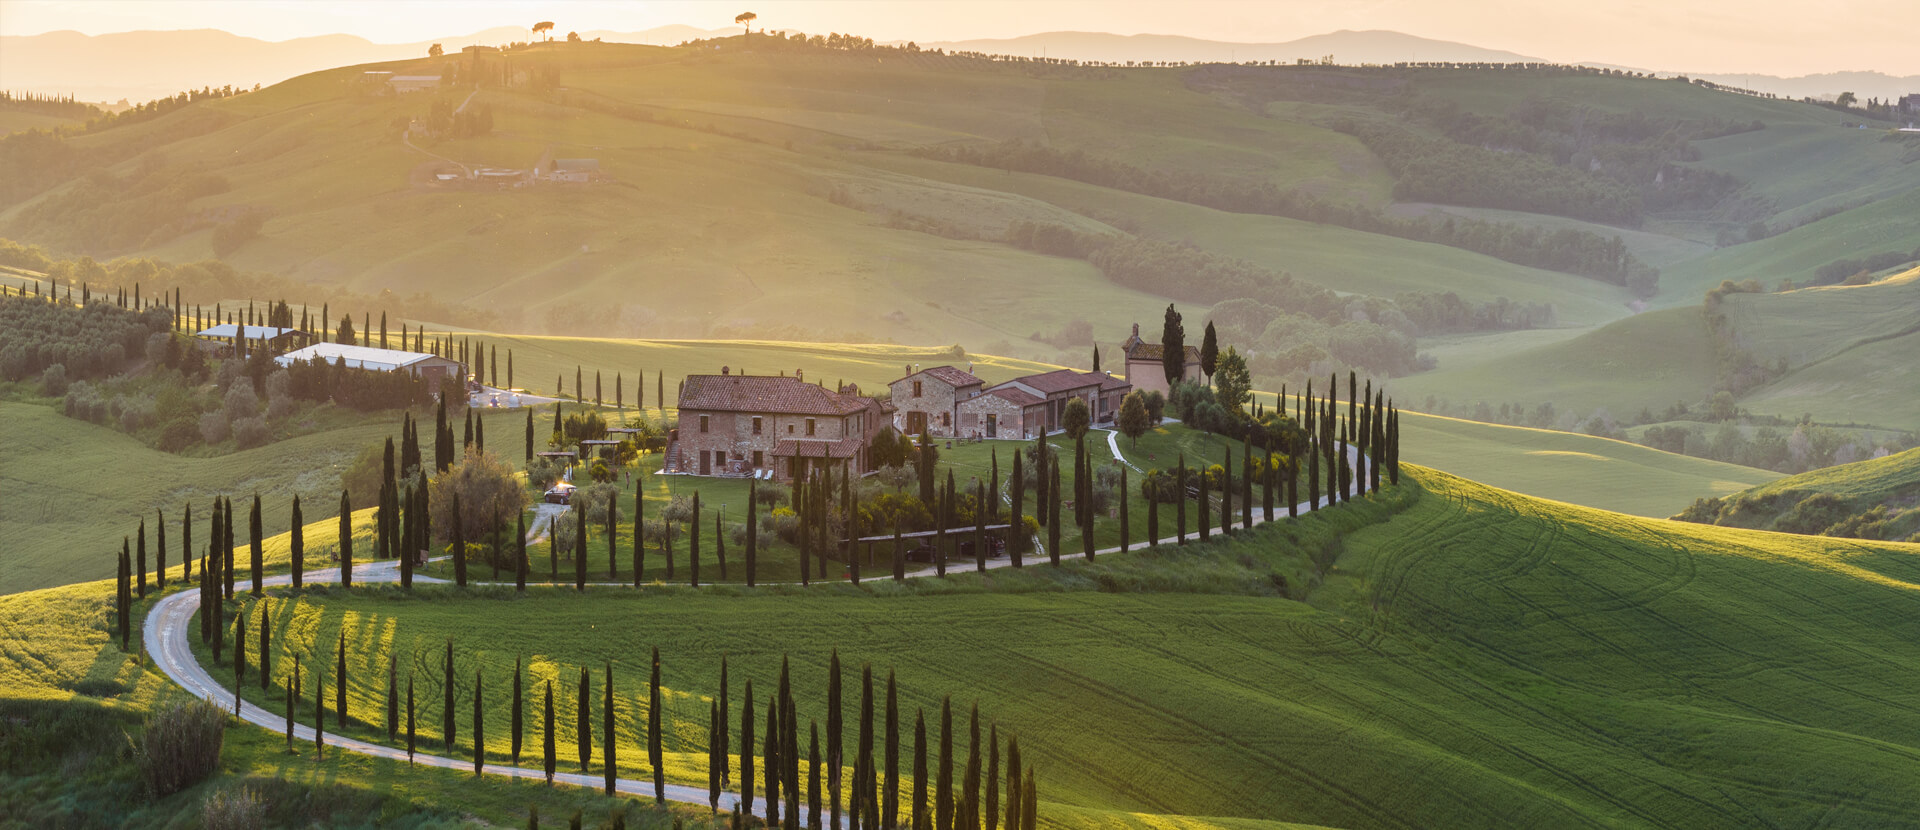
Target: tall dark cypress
442,439
919,810
479,727
613,536
611,764
340,681
583,720
122,604
255,539
513,715
746,747
186,543
864,784
715,761
943,778
1053,515
1013,783
1017,527
656,745
770,763
529,456
548,755
1226,493
890,785
991,800
836,727
228,541
140,560
725,726
239,656
580,550
813,779
693,542
1180,501
520,552
346,541
970,782
297,543
393,694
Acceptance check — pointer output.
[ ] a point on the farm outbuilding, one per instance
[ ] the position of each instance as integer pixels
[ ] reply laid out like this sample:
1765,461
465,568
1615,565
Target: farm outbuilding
274,338
419,364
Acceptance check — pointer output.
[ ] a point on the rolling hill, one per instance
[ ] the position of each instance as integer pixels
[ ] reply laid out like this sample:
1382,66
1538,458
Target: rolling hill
1878,498
1473,657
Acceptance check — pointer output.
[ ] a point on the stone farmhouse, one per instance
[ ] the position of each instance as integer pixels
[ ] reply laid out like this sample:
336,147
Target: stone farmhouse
1146,371
1002,412
774,427
928,400
1102,392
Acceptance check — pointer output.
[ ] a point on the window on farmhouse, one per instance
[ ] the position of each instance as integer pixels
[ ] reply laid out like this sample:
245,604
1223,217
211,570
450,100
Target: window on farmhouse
809,426
756,425
916,389
703,423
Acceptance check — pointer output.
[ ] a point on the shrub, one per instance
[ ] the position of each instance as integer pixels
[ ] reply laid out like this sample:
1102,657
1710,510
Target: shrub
251,432
53,381
488,489
542,472
181,745
213,427
178,435
240,401
233,809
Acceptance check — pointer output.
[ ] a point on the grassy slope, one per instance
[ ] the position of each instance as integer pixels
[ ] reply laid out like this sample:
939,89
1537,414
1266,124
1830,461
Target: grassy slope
14,121
1648,360
1849,350
1883,226
1480,659
1861,482
1579,469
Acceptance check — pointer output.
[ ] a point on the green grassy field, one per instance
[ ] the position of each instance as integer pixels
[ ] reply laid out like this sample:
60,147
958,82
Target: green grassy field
1473,657
1862,481
1848,350
1649,360
1578,469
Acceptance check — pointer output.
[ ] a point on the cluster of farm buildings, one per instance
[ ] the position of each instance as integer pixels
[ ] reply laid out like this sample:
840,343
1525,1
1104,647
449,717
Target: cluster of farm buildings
779,426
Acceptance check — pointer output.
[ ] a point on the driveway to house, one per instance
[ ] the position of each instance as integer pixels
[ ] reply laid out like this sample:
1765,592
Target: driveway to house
165,639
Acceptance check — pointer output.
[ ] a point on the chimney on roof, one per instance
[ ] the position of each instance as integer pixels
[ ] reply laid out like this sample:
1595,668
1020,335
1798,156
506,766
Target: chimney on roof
800,374
1136,329
724,371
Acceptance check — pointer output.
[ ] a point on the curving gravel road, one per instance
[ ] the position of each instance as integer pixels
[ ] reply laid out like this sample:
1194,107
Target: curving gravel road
165,639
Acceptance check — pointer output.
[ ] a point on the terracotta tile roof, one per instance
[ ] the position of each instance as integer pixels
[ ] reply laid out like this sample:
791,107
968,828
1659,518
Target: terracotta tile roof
1015,395
1108,382
793,447
948,375
1059,380
764,393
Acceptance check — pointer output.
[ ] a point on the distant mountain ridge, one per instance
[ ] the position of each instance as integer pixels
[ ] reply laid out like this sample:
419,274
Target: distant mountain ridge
93,67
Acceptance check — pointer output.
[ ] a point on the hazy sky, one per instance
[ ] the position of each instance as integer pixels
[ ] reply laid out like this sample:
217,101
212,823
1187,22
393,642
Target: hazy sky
1782,37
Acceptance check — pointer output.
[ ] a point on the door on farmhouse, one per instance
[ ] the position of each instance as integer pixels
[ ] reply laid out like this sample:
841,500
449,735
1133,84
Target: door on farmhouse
993,425
916,423
706,464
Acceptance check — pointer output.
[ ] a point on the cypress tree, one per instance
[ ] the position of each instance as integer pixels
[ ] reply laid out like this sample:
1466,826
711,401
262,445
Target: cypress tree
919,811
583,720
289,715
656,746
596,388
459,543
863,783
1226,493
1084,479
410,720
346,541
715,727
835,729
393,695
580,550
266,657
693,543
479,434
548,755
1180,501
579,385
660,390
890,786
639,531
297,543
992,798
1017,528
479,727
746,748
1125,539
771,763
726,744
466,432
943,777
448,729
970,783
813,779
255,540
1028,802
227,543
123,602
993,486
612,763
529,456
520,552
513,714
219,625
340,682
442,439
186,543
141,560
1053,518
239,656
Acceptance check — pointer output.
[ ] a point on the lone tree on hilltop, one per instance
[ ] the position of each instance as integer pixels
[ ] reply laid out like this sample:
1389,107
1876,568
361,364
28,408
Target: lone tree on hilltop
745,20
1173,347
544,27
435,51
